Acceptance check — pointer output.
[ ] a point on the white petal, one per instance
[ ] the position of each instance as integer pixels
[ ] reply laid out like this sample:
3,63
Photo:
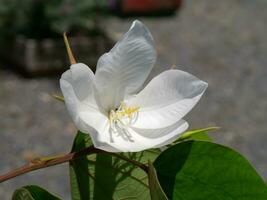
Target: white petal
81,79
141,139
167,99
77,87
124,69
94,123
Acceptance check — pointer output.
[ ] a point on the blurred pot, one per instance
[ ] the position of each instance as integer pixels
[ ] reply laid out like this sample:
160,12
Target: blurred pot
145,7
35,57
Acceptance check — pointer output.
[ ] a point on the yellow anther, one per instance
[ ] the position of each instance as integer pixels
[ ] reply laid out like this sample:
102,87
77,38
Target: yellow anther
130,111
123,111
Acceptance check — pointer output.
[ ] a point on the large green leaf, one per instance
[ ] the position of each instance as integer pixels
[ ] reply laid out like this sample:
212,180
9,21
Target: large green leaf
104,176
33,192
200,170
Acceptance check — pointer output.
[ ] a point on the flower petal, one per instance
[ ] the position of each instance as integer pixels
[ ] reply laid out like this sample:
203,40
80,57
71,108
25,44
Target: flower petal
123,70
140,139
77,87
81,79
94,123
167,99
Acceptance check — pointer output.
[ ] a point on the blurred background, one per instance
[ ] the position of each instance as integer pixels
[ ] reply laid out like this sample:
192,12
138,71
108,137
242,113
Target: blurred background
221,42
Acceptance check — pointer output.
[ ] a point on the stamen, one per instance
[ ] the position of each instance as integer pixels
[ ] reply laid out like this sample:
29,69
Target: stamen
120,118
123,112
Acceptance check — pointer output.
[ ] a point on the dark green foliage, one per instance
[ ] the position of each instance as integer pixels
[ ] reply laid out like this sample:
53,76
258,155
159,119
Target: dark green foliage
33,192
49,18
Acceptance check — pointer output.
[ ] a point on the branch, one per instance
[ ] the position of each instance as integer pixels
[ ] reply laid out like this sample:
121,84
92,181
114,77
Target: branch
40,163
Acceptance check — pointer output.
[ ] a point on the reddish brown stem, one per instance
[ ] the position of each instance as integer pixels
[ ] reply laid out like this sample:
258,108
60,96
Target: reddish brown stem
39,163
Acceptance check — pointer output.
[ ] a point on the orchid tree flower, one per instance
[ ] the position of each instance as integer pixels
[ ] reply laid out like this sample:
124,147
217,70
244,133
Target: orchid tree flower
111,105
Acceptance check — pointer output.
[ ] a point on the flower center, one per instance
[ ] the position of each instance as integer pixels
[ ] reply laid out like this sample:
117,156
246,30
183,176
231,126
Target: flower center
123,113
120,118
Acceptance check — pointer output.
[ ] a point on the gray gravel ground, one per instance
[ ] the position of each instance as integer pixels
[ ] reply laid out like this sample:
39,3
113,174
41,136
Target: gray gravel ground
221,42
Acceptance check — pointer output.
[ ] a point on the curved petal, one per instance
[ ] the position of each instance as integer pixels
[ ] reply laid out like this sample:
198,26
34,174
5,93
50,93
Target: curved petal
77,87
81,79
167,99
135,140
95,123
123,70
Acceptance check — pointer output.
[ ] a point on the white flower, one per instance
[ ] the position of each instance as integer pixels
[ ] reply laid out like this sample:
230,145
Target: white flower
111,107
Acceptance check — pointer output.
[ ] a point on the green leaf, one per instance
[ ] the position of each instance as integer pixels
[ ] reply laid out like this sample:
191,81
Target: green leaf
200,170
33,192
199,134
80,183
104,176
156,191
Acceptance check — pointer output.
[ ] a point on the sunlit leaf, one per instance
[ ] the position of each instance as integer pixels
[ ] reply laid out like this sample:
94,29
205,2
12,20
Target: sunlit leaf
200,170
199,134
